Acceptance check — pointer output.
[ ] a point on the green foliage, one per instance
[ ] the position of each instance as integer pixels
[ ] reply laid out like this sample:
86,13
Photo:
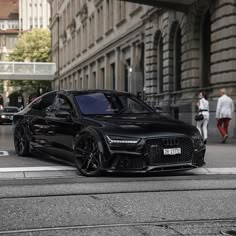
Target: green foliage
32,46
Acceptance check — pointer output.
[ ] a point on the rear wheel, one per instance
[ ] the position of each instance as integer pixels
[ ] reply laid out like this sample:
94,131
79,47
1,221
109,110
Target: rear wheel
88,155
21,141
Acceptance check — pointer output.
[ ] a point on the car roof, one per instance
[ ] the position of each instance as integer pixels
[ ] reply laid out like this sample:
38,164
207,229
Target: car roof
93,91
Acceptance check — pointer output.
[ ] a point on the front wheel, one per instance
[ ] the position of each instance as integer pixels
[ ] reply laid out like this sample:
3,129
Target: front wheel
88,155
21,141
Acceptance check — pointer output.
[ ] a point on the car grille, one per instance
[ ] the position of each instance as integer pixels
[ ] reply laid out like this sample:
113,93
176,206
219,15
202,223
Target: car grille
131,164
154,148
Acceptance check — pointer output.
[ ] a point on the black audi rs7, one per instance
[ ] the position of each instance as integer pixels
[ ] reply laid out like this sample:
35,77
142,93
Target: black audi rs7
111,131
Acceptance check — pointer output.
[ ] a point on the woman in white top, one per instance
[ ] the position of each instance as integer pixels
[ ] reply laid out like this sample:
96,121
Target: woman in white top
203,108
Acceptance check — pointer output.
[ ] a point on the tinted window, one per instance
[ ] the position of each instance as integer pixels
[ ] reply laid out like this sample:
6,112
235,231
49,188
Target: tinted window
62,103
105,104
44,103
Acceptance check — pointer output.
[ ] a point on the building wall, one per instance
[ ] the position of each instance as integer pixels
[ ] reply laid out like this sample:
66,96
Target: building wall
6,24
169,55
33,14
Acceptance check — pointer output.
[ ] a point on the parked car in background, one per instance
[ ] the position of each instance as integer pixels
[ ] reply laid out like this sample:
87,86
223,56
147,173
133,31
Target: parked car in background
7,113
101,130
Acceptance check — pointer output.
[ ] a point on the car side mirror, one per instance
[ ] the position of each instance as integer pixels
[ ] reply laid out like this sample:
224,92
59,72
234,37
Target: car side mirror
158,109
63,114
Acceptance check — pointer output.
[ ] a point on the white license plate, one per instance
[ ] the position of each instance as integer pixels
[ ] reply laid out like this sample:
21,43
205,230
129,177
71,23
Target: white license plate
10,117
172,151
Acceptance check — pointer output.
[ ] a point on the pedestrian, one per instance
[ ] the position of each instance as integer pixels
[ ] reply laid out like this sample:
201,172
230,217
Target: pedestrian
224,111
203,108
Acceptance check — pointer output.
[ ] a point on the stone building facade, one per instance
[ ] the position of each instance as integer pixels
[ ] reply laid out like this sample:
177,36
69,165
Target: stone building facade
165,55
9,30
9,26
33,14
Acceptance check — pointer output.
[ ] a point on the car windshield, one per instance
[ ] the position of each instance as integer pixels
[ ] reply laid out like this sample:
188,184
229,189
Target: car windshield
10,109
110,104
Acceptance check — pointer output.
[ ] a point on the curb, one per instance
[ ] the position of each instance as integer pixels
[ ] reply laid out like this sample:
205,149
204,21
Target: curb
38,172
68,171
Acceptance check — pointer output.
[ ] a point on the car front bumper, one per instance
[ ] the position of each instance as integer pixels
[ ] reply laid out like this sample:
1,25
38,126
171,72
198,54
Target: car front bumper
149,157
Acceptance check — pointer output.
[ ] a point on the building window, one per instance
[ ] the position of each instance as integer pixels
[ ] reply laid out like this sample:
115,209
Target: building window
41,22
109,12
127,75
92,30
102,86
31,22
94,80
160,63
121,11
158,60
100,23
85,37
36,22
206,50
113,75
78,43
177,59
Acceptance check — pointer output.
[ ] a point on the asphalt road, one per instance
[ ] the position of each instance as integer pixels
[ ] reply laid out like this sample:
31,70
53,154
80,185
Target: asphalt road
140,206
172,204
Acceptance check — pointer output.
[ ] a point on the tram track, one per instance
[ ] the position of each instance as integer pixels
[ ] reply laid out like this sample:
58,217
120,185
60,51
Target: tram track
162,223
111,193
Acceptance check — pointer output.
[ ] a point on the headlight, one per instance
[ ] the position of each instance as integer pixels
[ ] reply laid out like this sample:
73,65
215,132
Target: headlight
121,140
3,116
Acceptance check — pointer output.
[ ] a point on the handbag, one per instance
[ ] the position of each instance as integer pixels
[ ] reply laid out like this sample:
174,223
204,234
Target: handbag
199,117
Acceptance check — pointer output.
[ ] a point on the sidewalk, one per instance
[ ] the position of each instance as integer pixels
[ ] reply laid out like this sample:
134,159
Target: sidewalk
217,140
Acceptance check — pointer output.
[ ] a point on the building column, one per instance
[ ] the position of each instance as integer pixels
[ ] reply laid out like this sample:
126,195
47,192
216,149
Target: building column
223,43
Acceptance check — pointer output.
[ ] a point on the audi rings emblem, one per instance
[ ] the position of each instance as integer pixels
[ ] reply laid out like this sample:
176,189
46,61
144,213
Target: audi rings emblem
170,142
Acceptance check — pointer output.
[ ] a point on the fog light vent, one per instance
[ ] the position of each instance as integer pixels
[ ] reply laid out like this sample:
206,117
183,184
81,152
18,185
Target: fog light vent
228,232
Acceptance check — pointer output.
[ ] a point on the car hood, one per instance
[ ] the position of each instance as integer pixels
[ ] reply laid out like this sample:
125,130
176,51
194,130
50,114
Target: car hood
142,125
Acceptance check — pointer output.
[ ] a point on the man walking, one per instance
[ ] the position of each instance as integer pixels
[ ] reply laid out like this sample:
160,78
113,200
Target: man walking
224,110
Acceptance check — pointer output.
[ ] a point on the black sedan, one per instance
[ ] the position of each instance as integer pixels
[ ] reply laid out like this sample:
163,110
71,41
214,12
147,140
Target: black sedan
7,113
100,130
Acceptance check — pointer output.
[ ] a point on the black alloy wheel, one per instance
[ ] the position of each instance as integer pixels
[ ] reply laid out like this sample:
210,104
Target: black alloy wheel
21,141
87,155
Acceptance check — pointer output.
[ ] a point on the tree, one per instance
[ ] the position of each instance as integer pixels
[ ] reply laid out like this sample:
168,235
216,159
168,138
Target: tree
32,46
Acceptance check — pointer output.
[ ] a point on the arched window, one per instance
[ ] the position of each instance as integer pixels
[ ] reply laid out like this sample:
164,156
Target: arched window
158,60
177,59
160,63
205,50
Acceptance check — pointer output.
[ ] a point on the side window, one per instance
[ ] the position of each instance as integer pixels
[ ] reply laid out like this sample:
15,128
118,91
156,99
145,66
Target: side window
63,104
44,103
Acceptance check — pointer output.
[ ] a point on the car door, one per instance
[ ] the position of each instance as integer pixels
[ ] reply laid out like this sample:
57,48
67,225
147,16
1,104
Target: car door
37,122
63,128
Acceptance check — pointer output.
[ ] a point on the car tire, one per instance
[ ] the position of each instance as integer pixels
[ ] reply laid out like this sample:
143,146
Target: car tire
21,141
88,152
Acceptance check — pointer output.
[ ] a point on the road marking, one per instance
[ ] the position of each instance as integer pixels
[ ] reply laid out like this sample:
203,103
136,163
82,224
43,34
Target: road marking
4,153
